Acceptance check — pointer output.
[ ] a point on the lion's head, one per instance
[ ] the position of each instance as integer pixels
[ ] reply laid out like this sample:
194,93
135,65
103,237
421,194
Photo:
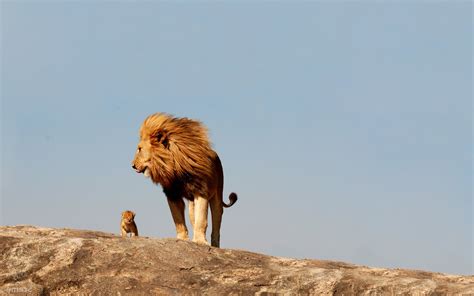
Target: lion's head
171,148
128,217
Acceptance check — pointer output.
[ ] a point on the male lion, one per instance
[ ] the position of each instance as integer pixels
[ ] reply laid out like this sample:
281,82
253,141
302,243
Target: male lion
177,153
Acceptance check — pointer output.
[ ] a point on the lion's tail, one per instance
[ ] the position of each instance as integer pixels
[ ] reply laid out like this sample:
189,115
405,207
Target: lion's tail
232,198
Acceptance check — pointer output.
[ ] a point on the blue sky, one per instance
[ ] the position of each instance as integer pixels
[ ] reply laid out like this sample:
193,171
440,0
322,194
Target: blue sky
345,128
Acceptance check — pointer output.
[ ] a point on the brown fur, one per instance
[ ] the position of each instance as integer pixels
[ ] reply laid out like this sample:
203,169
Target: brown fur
127,224
177,153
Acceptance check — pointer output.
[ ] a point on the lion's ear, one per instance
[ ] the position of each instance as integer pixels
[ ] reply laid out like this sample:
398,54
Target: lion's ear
162,138
159,135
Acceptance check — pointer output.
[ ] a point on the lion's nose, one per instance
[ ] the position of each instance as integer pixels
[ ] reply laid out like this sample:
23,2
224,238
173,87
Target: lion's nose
134,167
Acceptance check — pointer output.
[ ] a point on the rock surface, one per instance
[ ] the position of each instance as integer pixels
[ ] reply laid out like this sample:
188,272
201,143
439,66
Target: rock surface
46,261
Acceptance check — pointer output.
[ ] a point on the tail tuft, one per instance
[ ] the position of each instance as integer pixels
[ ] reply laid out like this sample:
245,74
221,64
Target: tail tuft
232,198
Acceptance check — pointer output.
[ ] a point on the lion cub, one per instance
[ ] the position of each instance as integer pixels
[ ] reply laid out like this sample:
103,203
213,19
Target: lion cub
128,225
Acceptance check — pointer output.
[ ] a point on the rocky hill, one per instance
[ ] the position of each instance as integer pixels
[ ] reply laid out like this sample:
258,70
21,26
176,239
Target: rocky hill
46,261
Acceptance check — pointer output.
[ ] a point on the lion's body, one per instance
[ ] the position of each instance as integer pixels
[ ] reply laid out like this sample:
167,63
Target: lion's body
127,224
176,153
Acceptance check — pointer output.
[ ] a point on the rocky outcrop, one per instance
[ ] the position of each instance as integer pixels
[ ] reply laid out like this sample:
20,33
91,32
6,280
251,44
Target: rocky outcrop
46,261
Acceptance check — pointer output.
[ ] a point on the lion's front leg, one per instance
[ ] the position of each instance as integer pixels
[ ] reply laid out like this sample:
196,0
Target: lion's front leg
200,220
177,211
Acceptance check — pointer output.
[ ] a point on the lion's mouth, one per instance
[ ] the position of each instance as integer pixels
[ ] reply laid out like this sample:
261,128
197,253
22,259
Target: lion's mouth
144,170
141,170
147,172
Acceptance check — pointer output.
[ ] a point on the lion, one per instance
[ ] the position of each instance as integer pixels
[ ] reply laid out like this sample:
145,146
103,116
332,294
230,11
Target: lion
127,224
176,153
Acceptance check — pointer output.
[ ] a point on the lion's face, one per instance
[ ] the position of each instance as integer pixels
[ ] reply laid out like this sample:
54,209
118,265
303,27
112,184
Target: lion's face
143,158
128,216
172,147
153,156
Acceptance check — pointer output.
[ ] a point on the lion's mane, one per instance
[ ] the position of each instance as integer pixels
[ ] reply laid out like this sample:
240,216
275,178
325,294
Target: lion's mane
181,154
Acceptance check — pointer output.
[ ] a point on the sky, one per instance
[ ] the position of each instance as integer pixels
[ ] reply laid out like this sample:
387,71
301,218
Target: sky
344,127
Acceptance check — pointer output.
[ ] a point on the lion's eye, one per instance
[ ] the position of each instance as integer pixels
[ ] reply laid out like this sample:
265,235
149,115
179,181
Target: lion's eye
139,149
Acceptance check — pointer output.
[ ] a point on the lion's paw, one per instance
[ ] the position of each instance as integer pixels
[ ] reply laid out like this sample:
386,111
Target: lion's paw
201,241
182,236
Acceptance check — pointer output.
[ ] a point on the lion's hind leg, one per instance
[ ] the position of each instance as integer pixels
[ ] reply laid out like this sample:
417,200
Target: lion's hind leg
216,212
